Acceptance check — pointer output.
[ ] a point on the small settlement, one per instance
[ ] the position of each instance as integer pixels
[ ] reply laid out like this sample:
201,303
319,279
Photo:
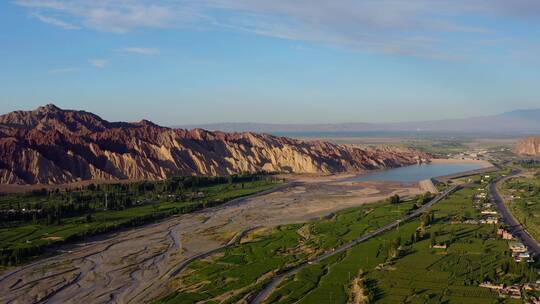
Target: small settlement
520,252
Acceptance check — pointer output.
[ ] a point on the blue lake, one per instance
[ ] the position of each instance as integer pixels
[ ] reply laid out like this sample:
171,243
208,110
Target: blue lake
416,173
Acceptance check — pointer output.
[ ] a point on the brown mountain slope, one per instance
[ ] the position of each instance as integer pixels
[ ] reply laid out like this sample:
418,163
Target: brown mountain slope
528,146
53,146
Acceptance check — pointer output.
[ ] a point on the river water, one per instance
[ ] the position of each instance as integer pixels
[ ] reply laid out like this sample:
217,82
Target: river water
416,173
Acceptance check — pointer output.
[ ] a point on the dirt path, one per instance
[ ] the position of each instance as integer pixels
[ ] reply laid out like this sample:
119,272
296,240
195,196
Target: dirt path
358,292
135,266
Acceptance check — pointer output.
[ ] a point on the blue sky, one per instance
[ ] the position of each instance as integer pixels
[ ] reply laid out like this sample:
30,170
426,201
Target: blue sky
184,61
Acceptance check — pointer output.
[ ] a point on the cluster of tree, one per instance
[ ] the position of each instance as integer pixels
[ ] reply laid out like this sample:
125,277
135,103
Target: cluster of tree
422,199
529,163
529,189
433,239
394,199
427,219
486,235
187,183
507,271
369,289
51,206
14,256
65,205
520,272
419,234
70,203
394,250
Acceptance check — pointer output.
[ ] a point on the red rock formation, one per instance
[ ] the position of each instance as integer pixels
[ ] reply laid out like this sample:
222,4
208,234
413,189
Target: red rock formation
528,146
52,146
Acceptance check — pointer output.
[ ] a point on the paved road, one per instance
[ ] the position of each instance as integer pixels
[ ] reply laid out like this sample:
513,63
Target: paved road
268,288
514,226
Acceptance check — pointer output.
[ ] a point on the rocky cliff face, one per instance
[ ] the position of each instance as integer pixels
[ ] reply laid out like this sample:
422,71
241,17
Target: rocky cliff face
528,146
53,146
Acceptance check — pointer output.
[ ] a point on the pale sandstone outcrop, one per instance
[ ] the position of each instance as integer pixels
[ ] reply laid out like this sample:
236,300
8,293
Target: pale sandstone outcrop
528,146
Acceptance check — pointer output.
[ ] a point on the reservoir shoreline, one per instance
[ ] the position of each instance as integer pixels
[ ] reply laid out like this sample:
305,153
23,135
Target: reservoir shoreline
435,169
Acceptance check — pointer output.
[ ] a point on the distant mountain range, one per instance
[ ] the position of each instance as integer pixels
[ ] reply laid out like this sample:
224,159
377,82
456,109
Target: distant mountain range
53,146
519,122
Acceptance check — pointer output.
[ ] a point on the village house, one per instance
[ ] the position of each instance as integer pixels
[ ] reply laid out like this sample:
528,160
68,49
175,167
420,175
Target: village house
535,300
523,257
505,235
492,286
488,212
439,246
513,292
517,247
490,221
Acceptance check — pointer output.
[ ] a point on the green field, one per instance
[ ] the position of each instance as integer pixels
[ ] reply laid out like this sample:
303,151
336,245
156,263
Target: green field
525,204
22,239
239,270
417,273
397,267
440,147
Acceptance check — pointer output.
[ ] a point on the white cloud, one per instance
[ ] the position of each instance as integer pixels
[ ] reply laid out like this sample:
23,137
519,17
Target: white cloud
412,28
111,15
55,22
140,51
98,63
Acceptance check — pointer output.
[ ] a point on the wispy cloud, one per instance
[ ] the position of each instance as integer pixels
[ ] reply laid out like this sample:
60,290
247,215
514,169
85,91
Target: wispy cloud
98,63
55,22
140,51
64,70
421,28
111,15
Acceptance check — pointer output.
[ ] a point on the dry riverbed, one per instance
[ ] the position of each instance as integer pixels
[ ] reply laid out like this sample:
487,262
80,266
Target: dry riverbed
135,266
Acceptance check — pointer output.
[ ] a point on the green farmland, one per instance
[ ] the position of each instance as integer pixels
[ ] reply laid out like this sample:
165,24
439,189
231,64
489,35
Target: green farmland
398,267
418,273
65,217
524,202
240,270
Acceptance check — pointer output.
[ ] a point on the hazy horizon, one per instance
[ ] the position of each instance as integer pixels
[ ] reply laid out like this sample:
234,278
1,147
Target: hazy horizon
261,122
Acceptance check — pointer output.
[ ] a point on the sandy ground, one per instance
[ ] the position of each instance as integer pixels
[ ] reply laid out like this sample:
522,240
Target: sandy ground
483,163
135,266
428,186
